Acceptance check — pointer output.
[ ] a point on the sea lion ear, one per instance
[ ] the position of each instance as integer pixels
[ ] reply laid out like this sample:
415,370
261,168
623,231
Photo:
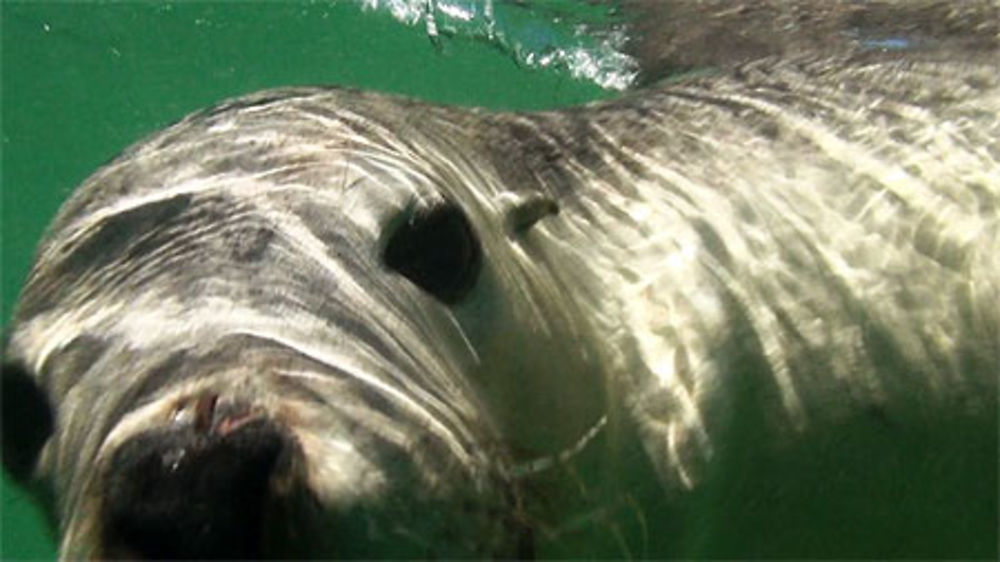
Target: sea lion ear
26,419
521,212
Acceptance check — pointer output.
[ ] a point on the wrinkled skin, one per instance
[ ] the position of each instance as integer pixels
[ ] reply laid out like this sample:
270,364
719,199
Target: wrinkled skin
748,312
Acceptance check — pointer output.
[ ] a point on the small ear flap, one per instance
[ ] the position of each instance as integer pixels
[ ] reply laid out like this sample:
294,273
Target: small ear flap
522,212
25,419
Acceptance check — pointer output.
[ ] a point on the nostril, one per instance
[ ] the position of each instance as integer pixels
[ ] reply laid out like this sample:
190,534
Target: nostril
184,494
210,413
204,412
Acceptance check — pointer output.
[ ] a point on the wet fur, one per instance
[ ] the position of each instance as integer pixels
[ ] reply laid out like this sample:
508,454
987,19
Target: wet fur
751,311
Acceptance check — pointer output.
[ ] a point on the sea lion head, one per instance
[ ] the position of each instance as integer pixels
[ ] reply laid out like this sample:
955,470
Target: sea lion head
305,322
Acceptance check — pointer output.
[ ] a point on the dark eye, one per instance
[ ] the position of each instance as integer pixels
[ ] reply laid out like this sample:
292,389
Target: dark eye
26,420
437,250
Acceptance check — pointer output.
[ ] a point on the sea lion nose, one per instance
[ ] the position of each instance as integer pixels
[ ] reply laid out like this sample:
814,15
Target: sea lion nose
197,490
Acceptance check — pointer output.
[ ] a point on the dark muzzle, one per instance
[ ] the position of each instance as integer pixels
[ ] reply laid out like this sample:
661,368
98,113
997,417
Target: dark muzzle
200,490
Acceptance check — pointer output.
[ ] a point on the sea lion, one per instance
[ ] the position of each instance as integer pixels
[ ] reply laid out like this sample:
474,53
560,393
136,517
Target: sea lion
750,311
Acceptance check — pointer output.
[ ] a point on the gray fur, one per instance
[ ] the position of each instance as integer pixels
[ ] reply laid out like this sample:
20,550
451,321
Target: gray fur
752,311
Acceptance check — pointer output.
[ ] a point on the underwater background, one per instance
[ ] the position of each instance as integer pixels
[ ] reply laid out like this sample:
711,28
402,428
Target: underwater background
81,81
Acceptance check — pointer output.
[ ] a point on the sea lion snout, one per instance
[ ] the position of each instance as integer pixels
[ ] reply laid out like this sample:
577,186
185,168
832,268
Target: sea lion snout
200,488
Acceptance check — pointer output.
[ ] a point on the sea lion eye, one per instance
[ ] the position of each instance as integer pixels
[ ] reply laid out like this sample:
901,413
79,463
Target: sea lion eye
26,420
437,250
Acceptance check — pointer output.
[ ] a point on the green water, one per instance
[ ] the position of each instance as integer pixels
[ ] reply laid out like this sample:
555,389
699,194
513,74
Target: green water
82,81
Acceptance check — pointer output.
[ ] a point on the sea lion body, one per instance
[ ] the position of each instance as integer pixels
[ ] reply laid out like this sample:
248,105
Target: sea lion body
745,313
